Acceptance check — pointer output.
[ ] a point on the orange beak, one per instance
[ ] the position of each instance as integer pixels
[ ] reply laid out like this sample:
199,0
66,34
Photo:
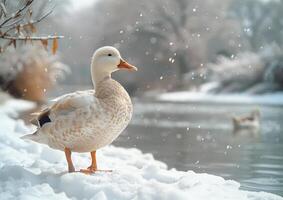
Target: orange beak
124,65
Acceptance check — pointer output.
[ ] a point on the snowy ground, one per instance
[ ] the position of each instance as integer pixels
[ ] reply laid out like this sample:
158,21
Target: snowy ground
30,171
185,96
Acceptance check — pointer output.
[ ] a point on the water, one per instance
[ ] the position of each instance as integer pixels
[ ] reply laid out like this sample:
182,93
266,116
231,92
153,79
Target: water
200,137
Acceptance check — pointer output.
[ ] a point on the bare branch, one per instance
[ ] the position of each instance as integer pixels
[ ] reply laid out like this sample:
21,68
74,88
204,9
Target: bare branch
3,9
17,13
45,15
25,38
32,23
13,23
22,20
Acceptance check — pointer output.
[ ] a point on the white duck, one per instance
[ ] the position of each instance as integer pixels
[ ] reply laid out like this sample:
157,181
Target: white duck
85,121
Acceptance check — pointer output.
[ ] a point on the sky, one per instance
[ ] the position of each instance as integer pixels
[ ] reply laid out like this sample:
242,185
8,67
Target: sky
79,4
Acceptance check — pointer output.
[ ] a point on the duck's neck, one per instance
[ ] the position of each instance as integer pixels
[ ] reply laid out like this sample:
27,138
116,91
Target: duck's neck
96,79
98,76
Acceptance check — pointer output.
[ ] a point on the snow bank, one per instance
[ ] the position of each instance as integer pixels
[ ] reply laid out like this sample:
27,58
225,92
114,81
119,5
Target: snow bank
30,171
185,96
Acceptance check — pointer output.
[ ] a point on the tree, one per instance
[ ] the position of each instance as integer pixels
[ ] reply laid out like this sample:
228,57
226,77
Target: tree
17,23
191,33
261,21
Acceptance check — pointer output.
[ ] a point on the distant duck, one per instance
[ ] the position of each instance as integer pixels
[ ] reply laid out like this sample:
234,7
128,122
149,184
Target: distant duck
85,121
250,121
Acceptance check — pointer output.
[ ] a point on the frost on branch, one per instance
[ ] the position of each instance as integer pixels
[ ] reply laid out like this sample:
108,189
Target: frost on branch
18,24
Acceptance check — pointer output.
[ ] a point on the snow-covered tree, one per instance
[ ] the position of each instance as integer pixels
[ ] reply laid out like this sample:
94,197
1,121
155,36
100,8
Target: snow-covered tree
247,72
261,21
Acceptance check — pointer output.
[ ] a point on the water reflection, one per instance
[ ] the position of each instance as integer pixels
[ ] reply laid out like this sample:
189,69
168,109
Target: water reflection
247,132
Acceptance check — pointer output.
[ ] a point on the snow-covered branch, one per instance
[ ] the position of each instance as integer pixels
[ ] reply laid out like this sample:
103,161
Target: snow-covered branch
26,38
20,26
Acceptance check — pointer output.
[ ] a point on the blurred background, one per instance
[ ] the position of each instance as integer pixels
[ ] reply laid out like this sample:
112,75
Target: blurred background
208,94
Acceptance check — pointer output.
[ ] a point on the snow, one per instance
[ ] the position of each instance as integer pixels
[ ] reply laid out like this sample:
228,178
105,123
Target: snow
31,171
187,96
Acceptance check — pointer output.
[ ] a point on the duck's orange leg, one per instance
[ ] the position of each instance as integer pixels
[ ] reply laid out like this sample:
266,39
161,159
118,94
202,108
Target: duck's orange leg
68,153
93,167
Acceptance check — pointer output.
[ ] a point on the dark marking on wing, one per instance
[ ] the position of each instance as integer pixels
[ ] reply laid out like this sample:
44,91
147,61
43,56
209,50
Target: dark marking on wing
44,119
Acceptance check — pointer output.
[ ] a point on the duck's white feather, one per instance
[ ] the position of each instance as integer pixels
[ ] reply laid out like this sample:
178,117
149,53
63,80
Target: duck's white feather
72,101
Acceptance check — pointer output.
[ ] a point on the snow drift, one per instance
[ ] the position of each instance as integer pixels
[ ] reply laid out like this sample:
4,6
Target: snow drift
32,171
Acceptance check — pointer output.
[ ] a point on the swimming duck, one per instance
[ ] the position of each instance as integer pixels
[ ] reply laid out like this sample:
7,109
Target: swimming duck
249,121
85,121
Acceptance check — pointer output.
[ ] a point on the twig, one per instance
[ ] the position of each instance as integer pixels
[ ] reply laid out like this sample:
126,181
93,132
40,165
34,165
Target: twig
17,13
31,37
13,23
45,15
32,23
19,20
3,8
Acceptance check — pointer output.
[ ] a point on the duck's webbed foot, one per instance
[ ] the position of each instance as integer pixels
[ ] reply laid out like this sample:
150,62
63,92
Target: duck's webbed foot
93,167
91,170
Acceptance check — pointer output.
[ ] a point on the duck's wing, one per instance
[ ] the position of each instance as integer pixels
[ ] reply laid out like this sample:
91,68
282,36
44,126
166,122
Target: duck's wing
64,105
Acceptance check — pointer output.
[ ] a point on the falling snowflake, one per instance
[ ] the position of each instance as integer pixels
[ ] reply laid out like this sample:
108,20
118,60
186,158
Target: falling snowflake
153,40
247,30
172,60
178,136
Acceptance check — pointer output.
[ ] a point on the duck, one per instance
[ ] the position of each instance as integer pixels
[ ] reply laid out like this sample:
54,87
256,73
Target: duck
250,121
85,121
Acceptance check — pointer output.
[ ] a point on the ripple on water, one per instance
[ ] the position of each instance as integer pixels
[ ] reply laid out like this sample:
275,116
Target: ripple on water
265,184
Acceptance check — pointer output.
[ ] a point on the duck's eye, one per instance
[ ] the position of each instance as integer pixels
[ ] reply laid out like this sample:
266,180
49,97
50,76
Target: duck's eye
109,54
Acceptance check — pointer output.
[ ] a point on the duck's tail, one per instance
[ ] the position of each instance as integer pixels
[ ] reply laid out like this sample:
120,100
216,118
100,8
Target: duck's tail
34,137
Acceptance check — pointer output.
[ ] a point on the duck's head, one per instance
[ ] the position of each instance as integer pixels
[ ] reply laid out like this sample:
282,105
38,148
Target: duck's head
106,60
